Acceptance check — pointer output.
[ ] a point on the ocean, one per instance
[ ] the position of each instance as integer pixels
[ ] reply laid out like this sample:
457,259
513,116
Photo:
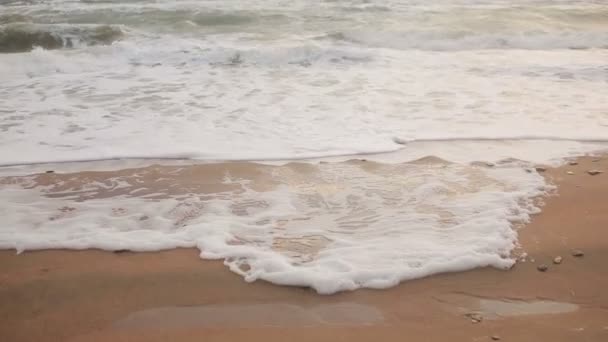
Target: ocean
392,139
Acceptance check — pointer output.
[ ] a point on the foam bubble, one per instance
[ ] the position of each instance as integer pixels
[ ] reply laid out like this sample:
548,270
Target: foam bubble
332,227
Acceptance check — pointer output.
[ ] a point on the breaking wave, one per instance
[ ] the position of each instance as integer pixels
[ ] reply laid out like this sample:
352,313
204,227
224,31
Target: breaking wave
21,37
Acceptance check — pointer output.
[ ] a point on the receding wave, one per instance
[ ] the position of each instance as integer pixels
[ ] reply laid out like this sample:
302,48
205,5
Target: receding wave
25,37
467,40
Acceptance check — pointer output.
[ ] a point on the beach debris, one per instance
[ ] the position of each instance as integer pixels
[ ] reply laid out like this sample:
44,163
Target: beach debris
488,164
528,170
578,253
121,251
475,317
594,172
542,268
573,163
49,171
557,260
570,172
495,338
540,169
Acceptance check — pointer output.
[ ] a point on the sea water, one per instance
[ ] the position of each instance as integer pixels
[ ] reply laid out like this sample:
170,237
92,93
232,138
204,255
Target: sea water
86,83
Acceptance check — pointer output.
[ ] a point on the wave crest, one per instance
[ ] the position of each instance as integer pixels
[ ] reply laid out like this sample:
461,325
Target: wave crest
25,37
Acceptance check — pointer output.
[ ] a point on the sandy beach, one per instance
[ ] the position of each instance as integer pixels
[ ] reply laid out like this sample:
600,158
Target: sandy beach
344,170
92,295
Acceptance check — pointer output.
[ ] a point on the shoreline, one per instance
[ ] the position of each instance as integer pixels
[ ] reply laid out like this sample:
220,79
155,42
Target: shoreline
491,150
93,295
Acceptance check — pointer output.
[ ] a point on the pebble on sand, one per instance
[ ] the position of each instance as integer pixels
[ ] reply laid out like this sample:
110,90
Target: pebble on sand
577,253
541,169
557,260
542,268
573,163
475,317
594,172
570,172
495,337
49,171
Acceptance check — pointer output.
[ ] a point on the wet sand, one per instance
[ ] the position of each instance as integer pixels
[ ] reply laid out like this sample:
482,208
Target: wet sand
175,296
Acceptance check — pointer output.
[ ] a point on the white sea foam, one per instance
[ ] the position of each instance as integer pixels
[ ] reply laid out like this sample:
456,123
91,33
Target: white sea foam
260,84
333,227
237,104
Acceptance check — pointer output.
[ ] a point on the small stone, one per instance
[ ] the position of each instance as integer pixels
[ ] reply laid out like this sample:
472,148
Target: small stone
594,172
488,164
540,169
577,253
595,160
572,163
557,260
570,172
495,337
528,171
542,268
49,171
475,317
121,251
